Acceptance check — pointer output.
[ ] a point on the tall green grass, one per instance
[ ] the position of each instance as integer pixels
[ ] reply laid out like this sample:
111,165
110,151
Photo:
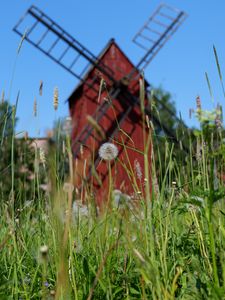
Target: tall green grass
169,246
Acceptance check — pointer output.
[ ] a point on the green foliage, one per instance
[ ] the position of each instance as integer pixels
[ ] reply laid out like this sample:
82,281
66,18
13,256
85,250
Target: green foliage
17,158
166,245
177,134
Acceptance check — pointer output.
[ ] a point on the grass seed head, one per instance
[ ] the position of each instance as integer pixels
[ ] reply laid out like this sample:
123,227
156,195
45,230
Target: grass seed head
35,108
56,98
138,170
3,97
42,156
41,88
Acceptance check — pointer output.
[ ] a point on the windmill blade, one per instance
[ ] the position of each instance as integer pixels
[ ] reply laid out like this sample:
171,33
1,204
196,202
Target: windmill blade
157,31
51,39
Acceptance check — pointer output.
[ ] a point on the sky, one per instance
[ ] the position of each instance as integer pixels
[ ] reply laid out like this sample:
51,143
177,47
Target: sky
178,68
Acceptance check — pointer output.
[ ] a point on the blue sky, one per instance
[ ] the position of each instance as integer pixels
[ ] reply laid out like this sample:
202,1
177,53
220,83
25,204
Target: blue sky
179,67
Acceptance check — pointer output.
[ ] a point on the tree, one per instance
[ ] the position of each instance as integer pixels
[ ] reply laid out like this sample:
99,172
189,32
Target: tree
16,157
169,130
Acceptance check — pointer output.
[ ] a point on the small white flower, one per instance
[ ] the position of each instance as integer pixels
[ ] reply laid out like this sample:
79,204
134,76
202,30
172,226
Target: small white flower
79,209
67,126
44,250
108,151
68,187
121,199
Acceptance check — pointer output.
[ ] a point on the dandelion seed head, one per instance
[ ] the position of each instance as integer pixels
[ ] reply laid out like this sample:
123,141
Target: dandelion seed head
52,293
68,187
44,250
108,151
67,126
80,209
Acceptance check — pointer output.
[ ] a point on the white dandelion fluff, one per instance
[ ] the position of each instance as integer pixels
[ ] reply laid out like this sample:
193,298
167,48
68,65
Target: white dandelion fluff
108,151
44,249
68,187
67,126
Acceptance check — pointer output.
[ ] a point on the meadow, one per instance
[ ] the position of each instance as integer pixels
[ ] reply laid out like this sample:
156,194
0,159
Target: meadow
167,244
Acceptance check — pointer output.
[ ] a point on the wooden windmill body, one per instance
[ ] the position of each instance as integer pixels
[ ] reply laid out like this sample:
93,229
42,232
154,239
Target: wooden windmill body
121,124
105,105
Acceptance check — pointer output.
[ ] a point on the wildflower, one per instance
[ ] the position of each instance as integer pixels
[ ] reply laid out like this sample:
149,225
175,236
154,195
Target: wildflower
198,200
137,168
42,156
108,151
121,199
78,246
133,238
52,293
156,185
198,103
45,187
68,187
27,279
79,209
44,251
218,121
56,98
67,126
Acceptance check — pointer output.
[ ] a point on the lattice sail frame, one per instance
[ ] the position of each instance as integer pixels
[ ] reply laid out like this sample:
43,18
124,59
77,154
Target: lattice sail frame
158,29
44,26
51,39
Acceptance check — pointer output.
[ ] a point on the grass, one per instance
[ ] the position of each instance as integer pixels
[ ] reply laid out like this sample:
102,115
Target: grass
170,245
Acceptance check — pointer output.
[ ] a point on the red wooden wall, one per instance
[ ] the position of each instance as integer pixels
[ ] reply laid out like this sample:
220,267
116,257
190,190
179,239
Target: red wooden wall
84,102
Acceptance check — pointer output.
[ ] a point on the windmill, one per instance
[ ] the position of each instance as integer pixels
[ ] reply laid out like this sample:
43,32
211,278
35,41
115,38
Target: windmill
105,105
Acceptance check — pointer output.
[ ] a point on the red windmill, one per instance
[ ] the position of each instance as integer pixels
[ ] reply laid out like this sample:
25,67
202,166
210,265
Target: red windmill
105,105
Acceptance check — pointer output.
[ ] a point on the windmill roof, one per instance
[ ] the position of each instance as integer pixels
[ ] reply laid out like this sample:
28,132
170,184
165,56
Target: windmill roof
91,67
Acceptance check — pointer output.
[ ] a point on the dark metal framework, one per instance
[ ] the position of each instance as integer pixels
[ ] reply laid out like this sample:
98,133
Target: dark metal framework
70,54
157,31
40,29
